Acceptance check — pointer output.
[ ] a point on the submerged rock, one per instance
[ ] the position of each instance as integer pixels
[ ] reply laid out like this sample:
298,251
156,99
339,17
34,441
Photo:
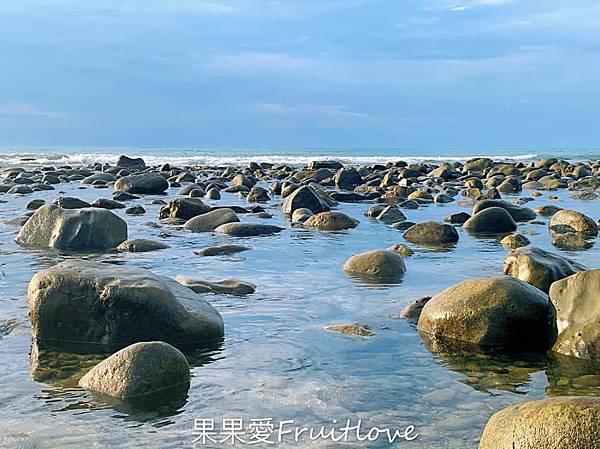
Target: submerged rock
577,303
352,329
73,229
571,241
224,286
557,423
221,250
495,312
538,267
101,307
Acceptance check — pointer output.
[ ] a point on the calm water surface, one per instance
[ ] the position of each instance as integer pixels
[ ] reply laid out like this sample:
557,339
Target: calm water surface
277,361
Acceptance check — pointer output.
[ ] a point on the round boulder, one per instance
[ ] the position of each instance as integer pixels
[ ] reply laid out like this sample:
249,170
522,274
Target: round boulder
331,221
495,312
565,221
431,232
493,220
141,369
538,267
211,220
557,423
377,264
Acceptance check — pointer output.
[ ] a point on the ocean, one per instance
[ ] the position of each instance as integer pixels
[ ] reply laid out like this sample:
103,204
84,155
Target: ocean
10,156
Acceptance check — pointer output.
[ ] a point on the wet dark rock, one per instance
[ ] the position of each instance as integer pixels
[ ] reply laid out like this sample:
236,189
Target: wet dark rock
145,183
102,307
105,203
131,163
247,229
304,197
135,210
140,246
431,233
493,220
183,208
457,218
221,250
67,202
73,229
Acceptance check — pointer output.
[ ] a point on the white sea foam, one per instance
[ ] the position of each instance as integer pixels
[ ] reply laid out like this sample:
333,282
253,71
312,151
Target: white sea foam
76,159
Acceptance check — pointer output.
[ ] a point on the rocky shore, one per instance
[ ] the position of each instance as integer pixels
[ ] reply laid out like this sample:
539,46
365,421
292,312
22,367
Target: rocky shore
147,327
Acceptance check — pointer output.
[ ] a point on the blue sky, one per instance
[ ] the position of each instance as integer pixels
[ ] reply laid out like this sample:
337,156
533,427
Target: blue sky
297,73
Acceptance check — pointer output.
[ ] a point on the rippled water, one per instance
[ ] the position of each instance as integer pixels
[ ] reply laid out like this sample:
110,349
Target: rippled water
277,361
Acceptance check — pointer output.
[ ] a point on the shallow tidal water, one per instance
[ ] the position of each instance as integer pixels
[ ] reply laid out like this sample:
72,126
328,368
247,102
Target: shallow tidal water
277,361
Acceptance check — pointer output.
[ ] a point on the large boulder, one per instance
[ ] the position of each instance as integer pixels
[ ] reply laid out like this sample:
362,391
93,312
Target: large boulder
101,307
73,229
304,197
516,212
565,221
432,233
331,221
377,264
492,220
183,208
538,267
555,423
211,220
145,183
139,370
576,300
496,312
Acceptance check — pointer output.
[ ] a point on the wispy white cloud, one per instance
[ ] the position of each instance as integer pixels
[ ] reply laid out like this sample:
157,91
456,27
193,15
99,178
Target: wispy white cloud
12,110
331,111
464,5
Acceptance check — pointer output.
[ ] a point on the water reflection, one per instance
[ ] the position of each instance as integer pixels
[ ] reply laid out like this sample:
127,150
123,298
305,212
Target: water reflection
485,371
